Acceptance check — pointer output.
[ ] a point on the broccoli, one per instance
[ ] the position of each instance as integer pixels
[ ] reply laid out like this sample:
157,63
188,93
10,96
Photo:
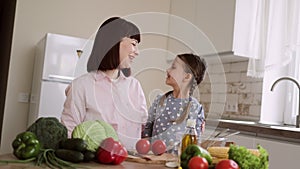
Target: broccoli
264,157
247,160
49,131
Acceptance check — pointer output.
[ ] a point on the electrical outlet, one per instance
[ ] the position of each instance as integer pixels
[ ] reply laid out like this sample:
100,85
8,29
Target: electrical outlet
23,97
231,107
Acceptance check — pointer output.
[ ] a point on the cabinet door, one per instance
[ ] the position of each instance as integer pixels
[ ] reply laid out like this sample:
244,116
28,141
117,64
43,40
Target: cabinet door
213,18
281,154
216,19
49,102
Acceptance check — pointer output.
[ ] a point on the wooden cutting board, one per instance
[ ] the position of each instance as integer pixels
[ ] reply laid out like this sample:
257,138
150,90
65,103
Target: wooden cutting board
152,159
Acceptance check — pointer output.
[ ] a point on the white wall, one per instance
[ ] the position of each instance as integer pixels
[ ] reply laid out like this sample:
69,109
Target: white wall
34,18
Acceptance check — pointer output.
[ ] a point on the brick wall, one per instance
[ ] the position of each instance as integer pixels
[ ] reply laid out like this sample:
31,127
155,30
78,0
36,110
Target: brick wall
240,90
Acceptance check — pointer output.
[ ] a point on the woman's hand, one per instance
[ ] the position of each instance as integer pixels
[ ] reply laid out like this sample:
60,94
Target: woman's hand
203,126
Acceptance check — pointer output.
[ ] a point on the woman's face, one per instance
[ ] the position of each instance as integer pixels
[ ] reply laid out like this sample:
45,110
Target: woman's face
128,51
176,73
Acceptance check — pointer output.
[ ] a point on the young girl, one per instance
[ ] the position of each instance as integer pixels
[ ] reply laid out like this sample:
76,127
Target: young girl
169,112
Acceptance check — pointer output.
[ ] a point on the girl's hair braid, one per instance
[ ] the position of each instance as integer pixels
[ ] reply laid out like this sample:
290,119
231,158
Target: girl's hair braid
196,66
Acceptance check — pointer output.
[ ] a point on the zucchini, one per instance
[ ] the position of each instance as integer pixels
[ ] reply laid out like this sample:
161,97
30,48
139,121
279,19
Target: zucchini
76,144
69,155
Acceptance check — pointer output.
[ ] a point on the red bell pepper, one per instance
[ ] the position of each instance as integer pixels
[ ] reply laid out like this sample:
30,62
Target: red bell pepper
111,152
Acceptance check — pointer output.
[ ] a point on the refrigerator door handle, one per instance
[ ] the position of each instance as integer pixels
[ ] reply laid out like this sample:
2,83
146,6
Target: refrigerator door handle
59,78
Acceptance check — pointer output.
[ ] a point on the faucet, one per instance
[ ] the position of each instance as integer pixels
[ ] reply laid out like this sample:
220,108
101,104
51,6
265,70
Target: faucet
293,80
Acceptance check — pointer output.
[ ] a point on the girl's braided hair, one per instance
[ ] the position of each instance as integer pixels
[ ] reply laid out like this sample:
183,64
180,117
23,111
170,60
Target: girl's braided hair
196,66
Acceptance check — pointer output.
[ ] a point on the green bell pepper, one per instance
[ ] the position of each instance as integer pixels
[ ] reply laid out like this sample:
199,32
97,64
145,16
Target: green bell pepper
26,145
191,151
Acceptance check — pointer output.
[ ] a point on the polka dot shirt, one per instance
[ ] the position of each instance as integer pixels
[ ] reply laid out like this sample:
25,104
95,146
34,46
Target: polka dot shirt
161,121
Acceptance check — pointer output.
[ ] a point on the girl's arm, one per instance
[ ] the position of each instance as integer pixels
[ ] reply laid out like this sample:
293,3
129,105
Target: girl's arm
147,132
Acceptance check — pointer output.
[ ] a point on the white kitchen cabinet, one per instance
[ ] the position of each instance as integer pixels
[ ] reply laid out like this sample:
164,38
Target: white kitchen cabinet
214,18
281,154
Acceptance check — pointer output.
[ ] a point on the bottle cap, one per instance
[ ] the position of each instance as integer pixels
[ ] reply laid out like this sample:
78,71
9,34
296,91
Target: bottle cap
191,123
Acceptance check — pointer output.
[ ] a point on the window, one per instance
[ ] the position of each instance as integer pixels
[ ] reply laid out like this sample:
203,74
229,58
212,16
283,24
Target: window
267,32
292,100
280,106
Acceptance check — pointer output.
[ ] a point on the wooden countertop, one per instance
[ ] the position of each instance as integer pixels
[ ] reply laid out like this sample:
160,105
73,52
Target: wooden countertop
91,165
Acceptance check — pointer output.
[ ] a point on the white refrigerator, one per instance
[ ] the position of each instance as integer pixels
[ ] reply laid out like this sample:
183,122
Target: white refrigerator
56,65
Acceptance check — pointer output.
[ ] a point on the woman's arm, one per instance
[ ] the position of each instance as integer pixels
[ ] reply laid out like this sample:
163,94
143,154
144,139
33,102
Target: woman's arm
200,122
74,108
141,102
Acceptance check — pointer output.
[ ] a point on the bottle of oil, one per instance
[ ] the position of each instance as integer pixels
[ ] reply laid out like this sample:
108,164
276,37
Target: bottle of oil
190,136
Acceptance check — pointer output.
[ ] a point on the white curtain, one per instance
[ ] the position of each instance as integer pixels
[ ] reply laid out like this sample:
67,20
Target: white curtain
267,32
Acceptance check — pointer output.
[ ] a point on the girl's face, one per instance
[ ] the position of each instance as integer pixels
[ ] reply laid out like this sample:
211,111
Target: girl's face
176,75
128,51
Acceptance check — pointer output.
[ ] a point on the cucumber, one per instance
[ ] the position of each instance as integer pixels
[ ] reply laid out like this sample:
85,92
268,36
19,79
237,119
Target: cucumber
69,155
76,144
89,156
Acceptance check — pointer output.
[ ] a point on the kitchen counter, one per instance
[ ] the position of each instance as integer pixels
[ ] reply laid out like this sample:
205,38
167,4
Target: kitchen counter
90,165
282,133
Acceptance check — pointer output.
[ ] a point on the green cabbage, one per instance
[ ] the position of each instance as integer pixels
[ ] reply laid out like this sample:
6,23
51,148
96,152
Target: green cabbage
94,132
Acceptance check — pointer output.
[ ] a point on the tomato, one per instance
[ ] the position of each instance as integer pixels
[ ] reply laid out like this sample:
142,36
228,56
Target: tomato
143,146
227,164
158,147
198,162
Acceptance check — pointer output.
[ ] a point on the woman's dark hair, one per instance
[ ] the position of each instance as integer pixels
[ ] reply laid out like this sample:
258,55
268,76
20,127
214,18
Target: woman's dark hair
105,53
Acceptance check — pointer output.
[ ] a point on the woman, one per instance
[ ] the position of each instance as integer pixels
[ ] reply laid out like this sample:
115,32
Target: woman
105,93
169,112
